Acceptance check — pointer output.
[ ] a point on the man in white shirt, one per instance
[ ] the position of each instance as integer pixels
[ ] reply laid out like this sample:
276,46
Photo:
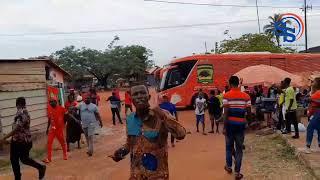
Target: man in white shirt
200,105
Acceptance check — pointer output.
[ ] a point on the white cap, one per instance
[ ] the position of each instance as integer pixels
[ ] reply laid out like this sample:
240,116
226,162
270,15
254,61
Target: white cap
79,98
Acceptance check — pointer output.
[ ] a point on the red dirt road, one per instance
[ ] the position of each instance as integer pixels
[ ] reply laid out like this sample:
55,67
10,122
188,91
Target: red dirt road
196,157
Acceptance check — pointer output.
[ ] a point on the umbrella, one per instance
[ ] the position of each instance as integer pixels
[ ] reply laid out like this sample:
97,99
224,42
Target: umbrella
267,76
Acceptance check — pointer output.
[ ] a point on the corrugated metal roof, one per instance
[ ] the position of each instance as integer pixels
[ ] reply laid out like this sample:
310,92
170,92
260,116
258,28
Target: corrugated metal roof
49,61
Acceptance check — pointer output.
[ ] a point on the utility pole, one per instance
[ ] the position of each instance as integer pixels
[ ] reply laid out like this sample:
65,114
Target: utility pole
216,47
258,17
205,45
306,25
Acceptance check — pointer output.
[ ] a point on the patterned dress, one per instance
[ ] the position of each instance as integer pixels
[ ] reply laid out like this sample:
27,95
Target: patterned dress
147,144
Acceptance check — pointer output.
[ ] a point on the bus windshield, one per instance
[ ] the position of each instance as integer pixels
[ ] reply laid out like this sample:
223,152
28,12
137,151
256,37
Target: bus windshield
177,75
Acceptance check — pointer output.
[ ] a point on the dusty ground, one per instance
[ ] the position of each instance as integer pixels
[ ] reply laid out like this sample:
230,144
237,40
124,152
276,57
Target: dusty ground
196,157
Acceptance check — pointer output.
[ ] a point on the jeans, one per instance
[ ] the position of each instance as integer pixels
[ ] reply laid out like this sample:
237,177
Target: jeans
234,136
291,118
20,151
89,138
115,111
314,124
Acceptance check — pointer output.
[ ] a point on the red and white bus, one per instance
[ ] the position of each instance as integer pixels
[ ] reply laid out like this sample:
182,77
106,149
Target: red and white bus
183,77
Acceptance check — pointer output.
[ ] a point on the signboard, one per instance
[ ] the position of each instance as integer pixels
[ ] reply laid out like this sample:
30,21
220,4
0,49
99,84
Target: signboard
291,27
205,73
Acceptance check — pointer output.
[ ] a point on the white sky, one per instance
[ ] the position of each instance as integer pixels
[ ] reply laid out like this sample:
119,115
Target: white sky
43,16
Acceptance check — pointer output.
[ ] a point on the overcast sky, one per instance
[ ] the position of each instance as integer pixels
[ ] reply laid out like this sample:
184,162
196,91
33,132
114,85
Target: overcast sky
47,16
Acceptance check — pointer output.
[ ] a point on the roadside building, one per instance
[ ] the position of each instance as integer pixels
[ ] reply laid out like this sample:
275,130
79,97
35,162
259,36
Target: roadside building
313,50
150,75
37,80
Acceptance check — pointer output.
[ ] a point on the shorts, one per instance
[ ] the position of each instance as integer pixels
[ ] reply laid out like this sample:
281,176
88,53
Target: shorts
216,117
200,118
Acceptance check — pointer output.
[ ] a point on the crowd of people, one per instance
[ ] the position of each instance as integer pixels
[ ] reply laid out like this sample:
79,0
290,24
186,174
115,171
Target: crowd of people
148,128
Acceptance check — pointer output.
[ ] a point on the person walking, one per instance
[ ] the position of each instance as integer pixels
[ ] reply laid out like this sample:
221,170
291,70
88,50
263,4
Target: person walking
127,102
314,116
200,105
21,142
95,98
280,104
117,94
291,108
147,134
55,129
237,105
215,111
89,116
114,105
73,127
171,108
71,102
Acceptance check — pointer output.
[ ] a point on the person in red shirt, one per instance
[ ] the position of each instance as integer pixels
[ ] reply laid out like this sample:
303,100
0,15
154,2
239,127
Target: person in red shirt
95,98
71,102
127,102
56,125
73,127
117,94
314,116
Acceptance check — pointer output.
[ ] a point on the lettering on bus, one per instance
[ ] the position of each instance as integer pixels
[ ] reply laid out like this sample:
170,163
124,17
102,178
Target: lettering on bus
205,73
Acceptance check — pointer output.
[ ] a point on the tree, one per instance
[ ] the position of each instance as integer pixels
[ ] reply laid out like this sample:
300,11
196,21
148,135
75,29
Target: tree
114,60
271,28
252,43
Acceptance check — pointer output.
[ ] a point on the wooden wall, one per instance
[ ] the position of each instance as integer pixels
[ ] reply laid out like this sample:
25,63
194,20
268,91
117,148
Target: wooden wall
25,79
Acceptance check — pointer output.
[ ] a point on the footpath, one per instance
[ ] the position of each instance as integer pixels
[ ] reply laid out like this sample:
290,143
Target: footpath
311,161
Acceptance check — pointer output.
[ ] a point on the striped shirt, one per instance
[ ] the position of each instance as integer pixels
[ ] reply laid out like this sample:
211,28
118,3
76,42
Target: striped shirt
237,103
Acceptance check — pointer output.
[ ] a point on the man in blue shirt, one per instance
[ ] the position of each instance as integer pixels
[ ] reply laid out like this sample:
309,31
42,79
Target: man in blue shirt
167,105
89,115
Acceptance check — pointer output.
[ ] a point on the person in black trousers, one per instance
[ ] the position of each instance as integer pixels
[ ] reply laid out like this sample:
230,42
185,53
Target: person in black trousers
291,108
114,104
21,142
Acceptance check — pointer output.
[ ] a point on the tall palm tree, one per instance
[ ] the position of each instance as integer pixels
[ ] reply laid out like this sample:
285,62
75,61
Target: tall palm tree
271,29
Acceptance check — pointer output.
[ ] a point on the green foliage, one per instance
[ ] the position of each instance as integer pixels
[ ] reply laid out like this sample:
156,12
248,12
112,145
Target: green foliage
252,43
122,61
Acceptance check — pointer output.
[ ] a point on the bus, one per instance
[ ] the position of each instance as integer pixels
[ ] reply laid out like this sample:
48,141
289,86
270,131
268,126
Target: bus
183,77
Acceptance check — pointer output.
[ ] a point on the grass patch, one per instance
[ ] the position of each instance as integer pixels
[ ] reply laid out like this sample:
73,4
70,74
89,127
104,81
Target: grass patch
286,152
269,157
4,163
37,153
